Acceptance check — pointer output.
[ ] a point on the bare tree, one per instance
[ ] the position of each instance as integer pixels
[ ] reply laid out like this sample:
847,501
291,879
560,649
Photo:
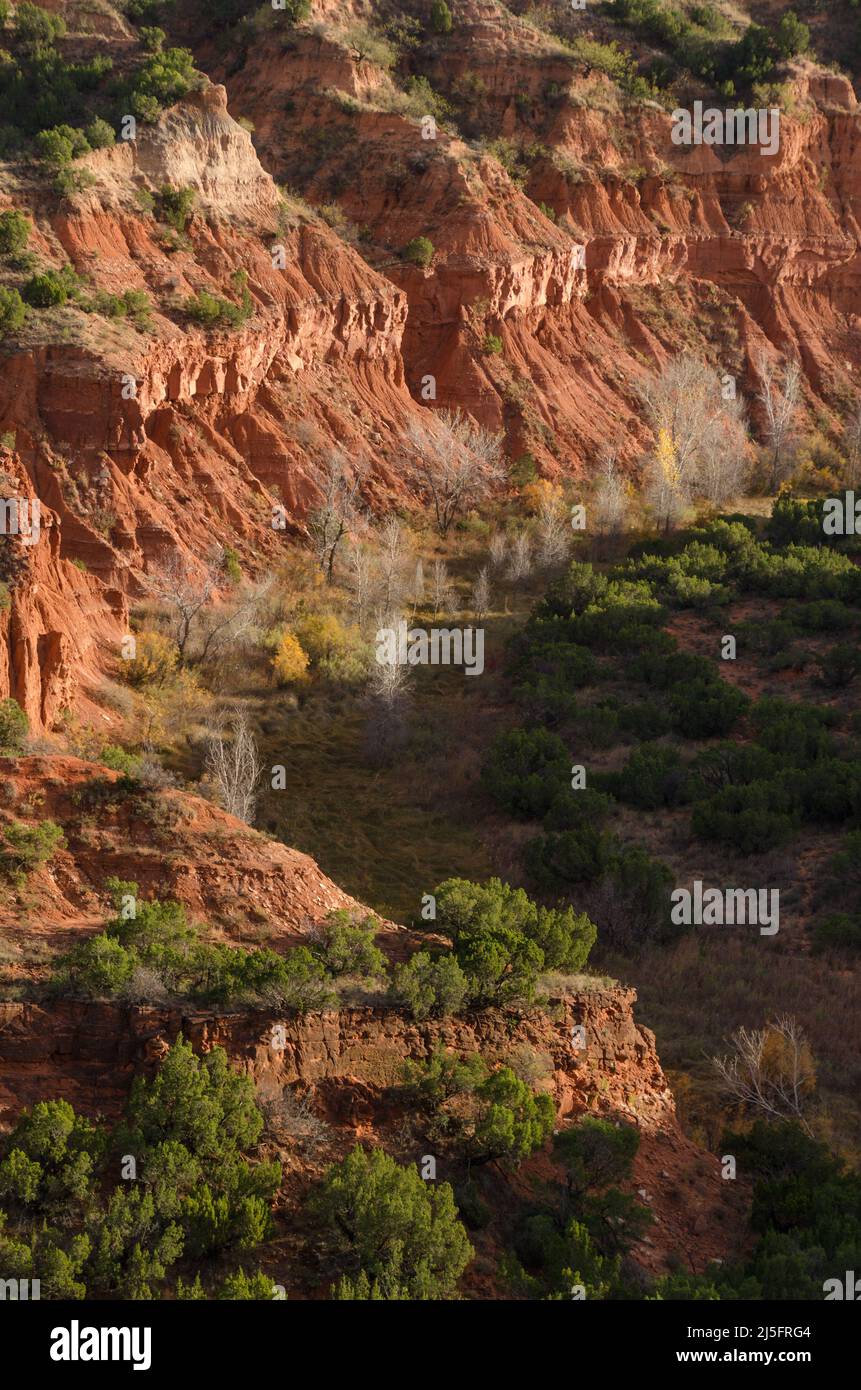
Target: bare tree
498,549
771,1070
700,437
417,588
395,565
233,766
724,468
360,563
553,530
665,493
780,403
481,594
292,1119
852,446
185,591
610,502
388,680
330,521
199,625
684,401
388,691
454,460
442,593
520,557
230,622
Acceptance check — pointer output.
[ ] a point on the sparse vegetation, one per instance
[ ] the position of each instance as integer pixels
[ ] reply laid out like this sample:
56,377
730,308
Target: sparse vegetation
667,701
212,311
27,847
14,726
419,251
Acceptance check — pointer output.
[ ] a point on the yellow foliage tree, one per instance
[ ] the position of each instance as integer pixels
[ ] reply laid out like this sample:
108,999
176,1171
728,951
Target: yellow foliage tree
154,661
665,457
290,662
540,492
320,634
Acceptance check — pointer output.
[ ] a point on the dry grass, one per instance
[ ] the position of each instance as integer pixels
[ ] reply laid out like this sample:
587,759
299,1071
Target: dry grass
697,992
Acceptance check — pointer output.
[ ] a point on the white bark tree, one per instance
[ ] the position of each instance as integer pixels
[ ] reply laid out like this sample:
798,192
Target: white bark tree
771,1070
520,557
395,565
552,530
330,521
609,504
360,572
418,586
700,438
852,447
388,694
442,594
481,595
780,402
233,766
199,625
454,461
388,681
498,549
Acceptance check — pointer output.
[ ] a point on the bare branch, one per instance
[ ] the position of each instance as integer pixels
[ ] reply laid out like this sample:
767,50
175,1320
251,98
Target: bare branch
330,521
701,438
780,404
233,766
771,1070
454,461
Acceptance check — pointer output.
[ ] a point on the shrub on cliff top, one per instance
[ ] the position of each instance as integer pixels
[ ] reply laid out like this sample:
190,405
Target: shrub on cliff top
428,985
158,948
419,251
28,846
440,17
347,947
12,311
100,134
61,144
15,231
34,25
503,939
